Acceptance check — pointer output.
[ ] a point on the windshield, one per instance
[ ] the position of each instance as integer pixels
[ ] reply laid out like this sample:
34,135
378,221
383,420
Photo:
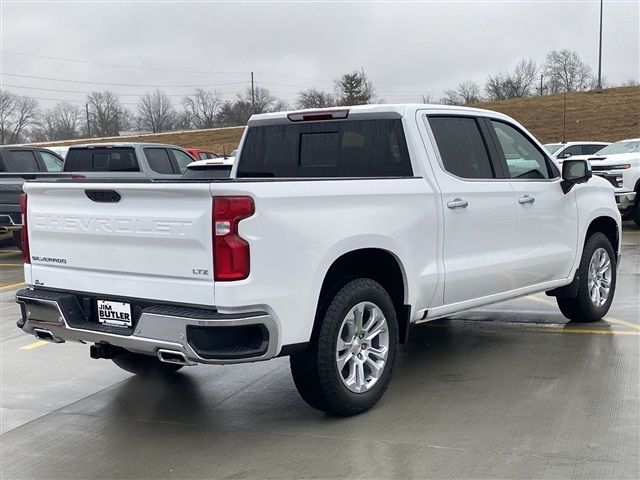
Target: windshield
626,146
552,147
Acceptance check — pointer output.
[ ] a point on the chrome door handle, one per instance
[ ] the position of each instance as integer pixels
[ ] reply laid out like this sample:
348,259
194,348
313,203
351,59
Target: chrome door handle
526,199
458,203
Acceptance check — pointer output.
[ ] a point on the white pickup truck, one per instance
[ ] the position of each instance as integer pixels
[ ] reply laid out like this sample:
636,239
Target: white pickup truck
337,230
619,163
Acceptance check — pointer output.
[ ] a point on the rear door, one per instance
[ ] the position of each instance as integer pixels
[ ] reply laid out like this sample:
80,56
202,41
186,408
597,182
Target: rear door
547,217
142,240
479,210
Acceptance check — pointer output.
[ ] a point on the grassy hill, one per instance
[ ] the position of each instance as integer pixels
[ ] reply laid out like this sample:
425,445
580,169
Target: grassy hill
611,115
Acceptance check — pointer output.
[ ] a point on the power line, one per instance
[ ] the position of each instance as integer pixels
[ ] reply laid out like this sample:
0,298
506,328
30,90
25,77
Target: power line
120,84
86,93
315,79
88,62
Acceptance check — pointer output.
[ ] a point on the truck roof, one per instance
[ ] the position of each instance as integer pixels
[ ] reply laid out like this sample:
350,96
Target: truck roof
372,111
124,144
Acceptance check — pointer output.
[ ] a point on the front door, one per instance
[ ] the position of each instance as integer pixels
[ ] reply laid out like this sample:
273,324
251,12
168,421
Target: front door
547,218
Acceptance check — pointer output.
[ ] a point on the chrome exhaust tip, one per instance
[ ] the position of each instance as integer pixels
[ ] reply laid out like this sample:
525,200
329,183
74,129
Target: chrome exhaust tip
46,336
172,356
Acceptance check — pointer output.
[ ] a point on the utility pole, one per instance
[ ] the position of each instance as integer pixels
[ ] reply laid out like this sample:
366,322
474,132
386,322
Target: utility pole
541,84
86,107
564,117
253,99
599,87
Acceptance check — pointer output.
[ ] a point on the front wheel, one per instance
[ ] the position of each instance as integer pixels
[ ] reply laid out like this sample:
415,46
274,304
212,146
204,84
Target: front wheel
635,215
597,282
349,363
144,365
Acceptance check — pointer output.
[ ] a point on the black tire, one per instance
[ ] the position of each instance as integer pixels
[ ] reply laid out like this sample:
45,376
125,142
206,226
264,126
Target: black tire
581,309
17,239
635,215
144,365
315,372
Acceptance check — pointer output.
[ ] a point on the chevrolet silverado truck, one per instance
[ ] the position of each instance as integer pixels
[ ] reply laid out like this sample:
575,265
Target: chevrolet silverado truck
337,230
619,163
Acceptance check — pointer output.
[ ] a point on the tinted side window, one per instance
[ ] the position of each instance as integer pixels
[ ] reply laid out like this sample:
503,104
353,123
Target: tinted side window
53,163
573,150
591,149
523,158
203,155
159,160
182,158
101,160
461,147
22,161
352,148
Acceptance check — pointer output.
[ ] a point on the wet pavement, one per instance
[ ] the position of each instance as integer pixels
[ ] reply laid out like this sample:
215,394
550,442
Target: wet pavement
507,391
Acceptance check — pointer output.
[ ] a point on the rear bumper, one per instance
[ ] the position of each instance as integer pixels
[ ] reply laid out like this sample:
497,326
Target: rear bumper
199,335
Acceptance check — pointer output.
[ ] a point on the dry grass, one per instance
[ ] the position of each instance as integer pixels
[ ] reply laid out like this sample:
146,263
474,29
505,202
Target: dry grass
613,114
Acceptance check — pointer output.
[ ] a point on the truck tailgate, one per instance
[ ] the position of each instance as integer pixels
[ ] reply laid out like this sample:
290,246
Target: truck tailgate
149,240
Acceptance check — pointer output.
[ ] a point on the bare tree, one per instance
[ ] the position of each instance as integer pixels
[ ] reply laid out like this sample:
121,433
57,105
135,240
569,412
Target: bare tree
314,98
429,98
16,114
156,112
107,116
354,89
263,101
60,123
451,97
7,108
566,72
201,108
631,82
516,84
280,106
239,111
235,113
469,92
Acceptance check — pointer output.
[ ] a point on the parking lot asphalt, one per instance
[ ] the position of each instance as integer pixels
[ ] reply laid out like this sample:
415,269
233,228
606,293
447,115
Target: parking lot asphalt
506,391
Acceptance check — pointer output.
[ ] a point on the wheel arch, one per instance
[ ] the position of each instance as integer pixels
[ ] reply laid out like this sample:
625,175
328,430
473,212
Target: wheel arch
608,227
604,224
378,264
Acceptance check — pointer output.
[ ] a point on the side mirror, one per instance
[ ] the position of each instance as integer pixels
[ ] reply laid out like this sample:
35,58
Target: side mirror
565,155
574,172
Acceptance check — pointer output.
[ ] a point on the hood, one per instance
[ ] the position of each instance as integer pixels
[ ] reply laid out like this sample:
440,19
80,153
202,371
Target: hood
605,159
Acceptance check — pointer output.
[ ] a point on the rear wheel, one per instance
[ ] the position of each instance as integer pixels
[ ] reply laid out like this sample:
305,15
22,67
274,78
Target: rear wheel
349,363
144,365
597,282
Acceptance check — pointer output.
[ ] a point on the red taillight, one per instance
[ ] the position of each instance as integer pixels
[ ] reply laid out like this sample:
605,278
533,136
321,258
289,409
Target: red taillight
24,233
230,250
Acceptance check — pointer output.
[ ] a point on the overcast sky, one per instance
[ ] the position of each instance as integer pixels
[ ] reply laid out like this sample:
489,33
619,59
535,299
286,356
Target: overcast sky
407,49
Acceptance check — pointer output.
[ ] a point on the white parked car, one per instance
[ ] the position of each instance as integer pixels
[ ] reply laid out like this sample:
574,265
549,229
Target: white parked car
619,163
210,168
339,229
562,150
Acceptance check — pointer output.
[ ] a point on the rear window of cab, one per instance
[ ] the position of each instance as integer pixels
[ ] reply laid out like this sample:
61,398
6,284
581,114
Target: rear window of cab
349,148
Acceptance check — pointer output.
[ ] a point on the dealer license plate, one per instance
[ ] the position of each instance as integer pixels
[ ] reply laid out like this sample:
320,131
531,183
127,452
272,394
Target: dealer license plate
117,314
